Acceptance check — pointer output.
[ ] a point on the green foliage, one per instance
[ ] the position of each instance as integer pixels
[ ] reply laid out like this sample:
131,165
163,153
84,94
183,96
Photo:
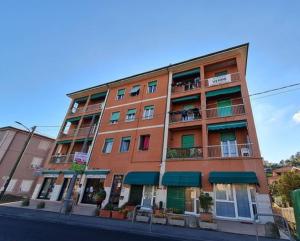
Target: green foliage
101,195
109,206
287,183
206,201
79,168
294,160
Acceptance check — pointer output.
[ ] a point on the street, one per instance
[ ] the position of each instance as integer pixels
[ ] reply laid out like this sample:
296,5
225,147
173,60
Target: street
17,229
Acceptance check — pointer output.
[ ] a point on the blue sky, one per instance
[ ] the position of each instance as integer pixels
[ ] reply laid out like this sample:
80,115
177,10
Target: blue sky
50,48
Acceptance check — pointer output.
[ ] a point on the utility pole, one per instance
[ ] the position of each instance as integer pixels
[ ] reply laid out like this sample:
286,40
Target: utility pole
31,133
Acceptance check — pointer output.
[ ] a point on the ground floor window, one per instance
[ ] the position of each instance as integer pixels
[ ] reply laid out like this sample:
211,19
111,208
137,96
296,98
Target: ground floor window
149,194
47,188
93,185
234,201
183,199
142,195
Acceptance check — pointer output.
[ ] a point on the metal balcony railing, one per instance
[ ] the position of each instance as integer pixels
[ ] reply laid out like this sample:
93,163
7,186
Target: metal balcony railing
89,108
225,111
81,132
186,86
185,115
94,107
77,110
230,149
223,79
192,152
57,159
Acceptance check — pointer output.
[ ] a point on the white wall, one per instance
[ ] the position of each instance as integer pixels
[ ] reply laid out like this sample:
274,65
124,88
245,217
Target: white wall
125,194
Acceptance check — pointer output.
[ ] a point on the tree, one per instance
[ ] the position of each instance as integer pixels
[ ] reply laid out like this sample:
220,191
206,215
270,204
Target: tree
287,183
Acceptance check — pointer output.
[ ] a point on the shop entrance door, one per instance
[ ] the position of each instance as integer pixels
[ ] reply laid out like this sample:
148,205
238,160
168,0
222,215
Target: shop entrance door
116,190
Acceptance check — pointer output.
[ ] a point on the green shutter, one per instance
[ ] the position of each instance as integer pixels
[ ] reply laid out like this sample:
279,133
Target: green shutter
152,83
126,138
148,107
73,119
187,141
186,98
98,96
221,73
225,91
224,108
109,140
82,99
135,88
131,111
121,92
176,198
228,125
187,73
115,116
64,142
228,136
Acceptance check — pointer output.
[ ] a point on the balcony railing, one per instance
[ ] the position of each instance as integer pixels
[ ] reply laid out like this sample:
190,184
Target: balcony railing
223,79
58,159
185,115
81,132
192,152
230,150
77,110
89,108
186,85
94,107
225,111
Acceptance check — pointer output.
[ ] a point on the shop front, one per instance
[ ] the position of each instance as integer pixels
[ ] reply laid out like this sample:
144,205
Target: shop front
47,188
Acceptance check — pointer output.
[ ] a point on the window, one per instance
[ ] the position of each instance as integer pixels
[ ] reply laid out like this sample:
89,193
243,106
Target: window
115,117
108,145
225,206
36,162
120,94
148,112
130,116
152,86
144,142
125,143
253,200
25,185
135,90
221,73
228,144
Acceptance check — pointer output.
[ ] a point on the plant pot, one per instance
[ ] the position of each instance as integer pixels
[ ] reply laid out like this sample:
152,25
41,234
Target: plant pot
159,220
140,218
129,208
105,213
117,215
206,225
177,222
206,217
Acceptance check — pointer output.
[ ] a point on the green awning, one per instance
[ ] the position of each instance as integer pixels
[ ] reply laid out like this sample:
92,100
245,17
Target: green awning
233,177
121,92
131,111
228,125
91,115
82,99
186,98
149,107
231,90
186,73
152,83
135,89
115,116
68,172
142,178
182,179
82,140
51,172
73,119
98,96
64,142
96,172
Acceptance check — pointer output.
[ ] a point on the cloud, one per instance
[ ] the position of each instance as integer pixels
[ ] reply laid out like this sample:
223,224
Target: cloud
296,117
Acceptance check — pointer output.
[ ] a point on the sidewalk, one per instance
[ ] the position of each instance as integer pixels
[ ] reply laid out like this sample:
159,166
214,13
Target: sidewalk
177,233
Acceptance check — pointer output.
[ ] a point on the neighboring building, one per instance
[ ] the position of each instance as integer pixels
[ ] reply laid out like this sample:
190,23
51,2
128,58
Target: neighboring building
160,137
276,173
12,141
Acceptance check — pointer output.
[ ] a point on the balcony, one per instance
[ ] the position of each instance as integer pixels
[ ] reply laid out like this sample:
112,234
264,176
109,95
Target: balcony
61,159
230,150
223,79
185,115
81,132
226,111
88,109
180,87
185,153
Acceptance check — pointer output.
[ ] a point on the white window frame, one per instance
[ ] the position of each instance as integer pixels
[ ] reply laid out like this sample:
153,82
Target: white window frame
121,145
229,145
28,185
153,195
130,117
103,151
148,117
117,96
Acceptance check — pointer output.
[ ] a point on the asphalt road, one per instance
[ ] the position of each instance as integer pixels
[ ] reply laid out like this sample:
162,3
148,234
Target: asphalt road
17,229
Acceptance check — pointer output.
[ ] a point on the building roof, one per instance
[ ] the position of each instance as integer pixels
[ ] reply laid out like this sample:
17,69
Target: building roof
25,131
286,169
246,45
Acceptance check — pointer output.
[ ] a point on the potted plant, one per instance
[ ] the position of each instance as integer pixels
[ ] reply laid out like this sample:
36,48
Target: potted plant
142,217
106,211
119,213
100,197
159,217
206,217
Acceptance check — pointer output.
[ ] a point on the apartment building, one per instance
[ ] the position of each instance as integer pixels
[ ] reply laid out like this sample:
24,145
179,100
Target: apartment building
160,137
12,141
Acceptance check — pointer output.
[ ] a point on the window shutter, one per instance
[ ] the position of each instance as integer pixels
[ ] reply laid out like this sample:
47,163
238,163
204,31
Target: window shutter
224,108
121,92
135,88
228,136
152,83
115,116
126,138
131,111
149,107
187,141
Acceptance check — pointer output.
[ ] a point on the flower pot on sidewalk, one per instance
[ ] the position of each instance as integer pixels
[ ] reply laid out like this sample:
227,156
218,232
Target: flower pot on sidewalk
105,213
206,217
206,225
177,221
159,220
118,214
140,218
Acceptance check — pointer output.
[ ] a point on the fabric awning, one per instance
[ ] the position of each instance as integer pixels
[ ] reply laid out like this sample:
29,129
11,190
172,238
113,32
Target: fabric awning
83,139
186,98
64,142
96,172
82,99
51,172
115,116
182,179
228,125
233,177
98,96
131,111
121,92
73,119
186,73
225,91
135,89
142,178
152,83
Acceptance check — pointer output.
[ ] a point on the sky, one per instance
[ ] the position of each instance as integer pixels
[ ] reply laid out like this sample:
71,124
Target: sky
51,48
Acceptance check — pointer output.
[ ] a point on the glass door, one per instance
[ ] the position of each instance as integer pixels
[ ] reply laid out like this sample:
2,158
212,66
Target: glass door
242,200
191,201
64,189
148,196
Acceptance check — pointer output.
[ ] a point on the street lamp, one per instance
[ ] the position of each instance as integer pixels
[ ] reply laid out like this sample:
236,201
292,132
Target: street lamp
7,181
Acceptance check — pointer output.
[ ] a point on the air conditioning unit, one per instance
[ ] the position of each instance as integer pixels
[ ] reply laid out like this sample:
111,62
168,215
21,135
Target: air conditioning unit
245,151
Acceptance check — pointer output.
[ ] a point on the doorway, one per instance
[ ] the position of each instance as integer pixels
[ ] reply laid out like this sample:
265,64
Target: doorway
92,186
116,190
64,189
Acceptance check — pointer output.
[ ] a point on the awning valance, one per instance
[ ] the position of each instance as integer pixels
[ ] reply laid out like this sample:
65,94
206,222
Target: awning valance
225,91
228,125
98,96
186,73
82,99
131,111
115,116
233,177
83,139
142,178
186,98
64,142
73,119
96,172
182,179
152,83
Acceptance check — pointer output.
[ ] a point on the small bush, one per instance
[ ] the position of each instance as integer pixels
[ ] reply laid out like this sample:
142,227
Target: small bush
41,205
26,202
